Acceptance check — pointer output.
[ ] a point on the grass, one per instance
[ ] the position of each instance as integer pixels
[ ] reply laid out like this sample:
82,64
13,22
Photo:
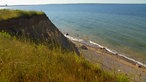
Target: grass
24,61
6,14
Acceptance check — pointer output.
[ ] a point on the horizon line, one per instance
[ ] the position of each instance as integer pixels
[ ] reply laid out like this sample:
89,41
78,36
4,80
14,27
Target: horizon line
71,4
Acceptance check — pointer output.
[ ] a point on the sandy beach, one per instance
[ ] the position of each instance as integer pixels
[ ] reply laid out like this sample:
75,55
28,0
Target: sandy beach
113,62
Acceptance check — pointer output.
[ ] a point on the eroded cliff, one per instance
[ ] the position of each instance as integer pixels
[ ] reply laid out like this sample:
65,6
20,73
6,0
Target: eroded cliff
39,29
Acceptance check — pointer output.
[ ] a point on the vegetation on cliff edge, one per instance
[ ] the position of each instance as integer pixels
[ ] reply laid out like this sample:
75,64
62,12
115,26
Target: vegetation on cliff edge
6,14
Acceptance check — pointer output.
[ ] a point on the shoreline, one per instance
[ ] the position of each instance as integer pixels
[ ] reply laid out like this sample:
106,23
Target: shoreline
107,50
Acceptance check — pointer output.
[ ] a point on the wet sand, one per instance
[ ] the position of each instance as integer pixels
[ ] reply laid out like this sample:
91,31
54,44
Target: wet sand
113,62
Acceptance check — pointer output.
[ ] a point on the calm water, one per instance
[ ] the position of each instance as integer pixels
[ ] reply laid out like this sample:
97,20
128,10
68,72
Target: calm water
121,28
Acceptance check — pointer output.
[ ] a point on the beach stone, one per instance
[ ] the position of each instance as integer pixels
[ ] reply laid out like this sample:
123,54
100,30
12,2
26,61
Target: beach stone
139,66
119,70
116,53
84,47
67,34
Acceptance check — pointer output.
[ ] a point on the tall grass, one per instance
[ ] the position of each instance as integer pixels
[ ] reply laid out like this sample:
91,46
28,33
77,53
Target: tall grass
24,61
6,14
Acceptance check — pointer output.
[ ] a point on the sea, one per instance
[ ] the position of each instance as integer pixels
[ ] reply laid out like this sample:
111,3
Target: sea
118,27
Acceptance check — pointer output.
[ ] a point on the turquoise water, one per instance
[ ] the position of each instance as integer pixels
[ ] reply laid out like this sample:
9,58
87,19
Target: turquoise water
121,28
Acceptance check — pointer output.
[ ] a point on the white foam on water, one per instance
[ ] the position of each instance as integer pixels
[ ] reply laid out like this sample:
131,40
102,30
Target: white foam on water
137,62
72,38
96,44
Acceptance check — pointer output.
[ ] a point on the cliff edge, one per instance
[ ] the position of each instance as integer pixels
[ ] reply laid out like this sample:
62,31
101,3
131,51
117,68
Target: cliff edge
38,28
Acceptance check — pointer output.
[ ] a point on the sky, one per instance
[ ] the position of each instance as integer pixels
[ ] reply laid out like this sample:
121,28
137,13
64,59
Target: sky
26,2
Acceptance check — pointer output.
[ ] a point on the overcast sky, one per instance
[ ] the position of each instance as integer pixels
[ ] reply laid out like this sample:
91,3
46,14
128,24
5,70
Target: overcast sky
22,2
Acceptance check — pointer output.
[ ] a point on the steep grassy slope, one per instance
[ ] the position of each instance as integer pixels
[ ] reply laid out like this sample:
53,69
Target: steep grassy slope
23,61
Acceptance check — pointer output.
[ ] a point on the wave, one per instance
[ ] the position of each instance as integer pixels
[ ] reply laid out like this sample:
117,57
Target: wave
96,45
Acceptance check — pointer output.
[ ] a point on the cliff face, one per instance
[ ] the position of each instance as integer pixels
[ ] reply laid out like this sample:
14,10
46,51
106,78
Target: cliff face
39,29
